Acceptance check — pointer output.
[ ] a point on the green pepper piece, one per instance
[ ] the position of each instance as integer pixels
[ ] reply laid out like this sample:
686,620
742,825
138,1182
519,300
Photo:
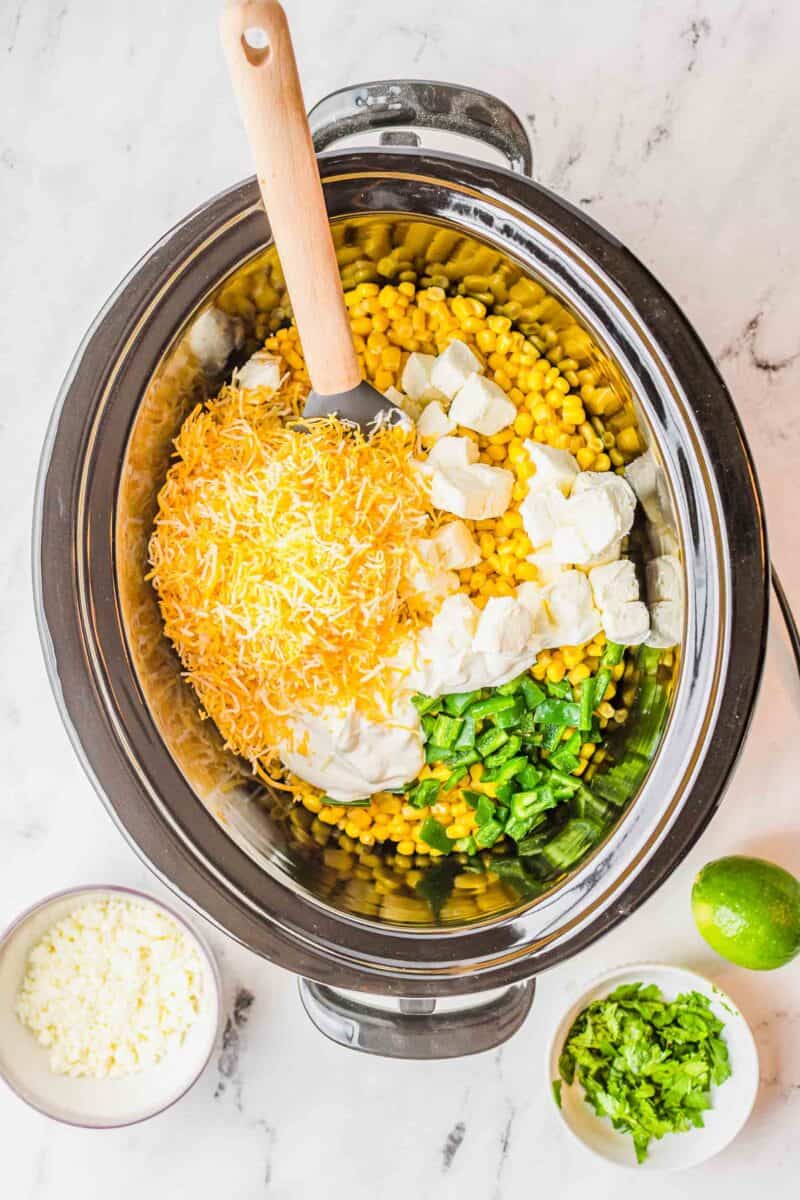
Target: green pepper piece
509,769
490,707
425,793
557,712
466,739
490,740
533,843
561,690
437,754
510,688
551,736
509,750
612,655
601,681
517,829
464,758
363,803
567,757
529,778
488,834
425,704
484,810
586,705
465,845
472,798
563,760
505,791
571,842
530,804
446,730
433,833
509,718
513,872
453,779
458,702
532,693
526,724
558,778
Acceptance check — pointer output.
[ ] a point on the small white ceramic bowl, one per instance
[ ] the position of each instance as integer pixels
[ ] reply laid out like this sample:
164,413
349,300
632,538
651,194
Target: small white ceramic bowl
732,1102
97,1103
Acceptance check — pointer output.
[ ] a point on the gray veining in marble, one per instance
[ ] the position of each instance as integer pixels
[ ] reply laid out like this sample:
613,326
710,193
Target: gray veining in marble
675,125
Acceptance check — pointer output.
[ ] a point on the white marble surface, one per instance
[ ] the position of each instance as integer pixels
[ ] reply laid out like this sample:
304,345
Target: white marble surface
676,126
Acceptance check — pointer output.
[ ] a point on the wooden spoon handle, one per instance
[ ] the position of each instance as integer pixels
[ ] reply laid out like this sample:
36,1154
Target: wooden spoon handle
258,47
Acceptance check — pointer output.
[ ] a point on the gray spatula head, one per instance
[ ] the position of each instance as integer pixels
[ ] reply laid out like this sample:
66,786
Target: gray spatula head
363,405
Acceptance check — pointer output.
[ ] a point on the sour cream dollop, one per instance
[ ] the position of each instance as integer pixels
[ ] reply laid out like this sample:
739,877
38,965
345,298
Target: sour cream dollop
351,757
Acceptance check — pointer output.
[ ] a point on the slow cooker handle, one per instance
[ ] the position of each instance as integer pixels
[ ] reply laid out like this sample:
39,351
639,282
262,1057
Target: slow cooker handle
422,104
415,1029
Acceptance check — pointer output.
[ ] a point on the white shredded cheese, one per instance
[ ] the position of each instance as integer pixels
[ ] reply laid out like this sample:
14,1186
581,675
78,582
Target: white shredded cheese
111,989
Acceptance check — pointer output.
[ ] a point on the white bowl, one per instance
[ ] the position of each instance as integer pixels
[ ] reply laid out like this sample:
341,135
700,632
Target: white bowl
732,1102
96,1103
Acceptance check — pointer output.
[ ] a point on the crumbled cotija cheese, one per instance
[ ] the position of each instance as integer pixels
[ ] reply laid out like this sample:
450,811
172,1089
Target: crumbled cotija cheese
111,989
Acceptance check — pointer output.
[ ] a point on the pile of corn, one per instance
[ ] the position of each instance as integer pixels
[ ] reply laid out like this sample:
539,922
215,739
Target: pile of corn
560,403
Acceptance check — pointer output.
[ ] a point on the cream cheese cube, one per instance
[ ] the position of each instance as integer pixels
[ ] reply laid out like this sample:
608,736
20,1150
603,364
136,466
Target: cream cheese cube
614,584
573,618
623,495
664,578
263,370
416,378
456,622
533,597
628,624
643,476
394,396
547,565
411,408
452,452
666,624
569,546
610,554
554,468
483,406
456,547
542,512
434,422
663,540
601,517
505,627
453,367
475,492
426,575
213,337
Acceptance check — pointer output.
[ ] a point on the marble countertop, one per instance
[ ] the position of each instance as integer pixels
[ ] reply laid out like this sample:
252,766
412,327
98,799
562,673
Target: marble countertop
673,125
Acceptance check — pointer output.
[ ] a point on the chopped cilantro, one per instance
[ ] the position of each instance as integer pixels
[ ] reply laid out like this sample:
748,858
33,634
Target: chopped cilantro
646,1063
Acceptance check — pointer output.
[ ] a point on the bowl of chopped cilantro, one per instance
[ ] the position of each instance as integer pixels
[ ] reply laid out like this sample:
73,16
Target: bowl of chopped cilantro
653,1067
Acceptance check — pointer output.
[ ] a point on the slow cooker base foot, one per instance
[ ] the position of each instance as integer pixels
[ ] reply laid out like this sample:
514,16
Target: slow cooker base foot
411,1027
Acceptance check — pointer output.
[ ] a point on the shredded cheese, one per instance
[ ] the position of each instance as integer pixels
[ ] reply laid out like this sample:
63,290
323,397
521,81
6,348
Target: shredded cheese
277,556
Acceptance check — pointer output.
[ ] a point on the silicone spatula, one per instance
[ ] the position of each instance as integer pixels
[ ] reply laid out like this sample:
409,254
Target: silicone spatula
258,47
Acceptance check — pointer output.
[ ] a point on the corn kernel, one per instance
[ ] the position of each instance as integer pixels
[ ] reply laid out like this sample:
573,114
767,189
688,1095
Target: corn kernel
628,441
556,672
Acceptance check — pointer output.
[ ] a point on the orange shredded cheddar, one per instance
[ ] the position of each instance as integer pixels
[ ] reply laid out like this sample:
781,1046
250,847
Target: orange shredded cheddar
277,554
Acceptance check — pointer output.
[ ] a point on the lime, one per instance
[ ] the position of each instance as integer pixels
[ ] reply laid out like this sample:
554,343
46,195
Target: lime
748,910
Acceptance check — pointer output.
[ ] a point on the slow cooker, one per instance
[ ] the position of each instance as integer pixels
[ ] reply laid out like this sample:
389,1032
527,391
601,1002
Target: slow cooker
240,854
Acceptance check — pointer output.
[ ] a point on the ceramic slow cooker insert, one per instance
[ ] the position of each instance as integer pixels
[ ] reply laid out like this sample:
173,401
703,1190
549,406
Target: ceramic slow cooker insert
248,860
